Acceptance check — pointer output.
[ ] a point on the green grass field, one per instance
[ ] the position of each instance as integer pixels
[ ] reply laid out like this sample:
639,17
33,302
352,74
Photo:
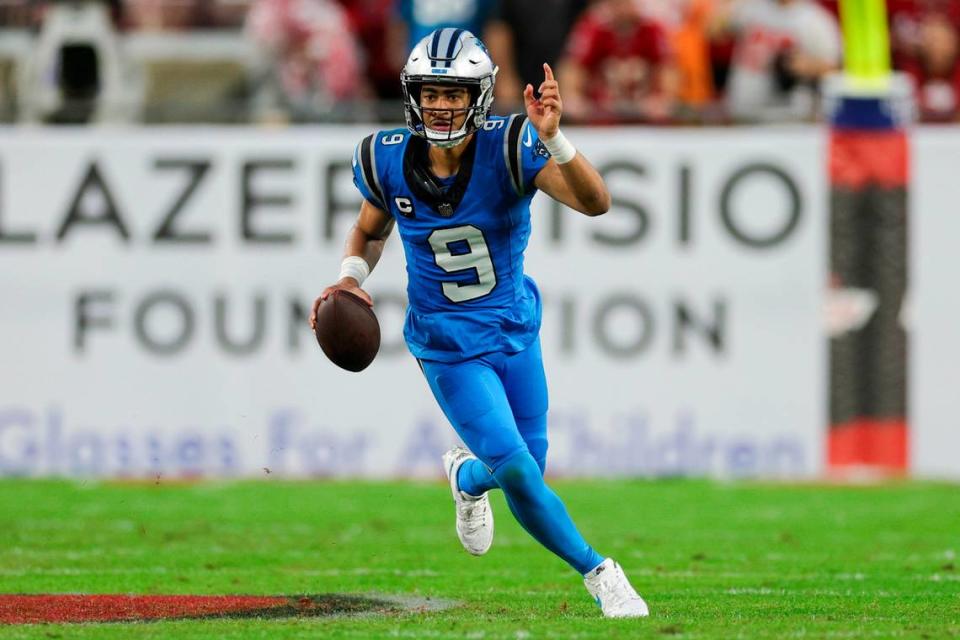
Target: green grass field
713,560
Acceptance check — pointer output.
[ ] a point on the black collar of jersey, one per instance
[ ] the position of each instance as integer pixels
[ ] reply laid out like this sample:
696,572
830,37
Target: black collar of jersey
426,186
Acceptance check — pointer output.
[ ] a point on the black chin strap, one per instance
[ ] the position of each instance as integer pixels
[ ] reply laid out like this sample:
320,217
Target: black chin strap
426,186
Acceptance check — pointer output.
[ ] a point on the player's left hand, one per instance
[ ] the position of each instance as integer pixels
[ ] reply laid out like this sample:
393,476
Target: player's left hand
346,284
544,112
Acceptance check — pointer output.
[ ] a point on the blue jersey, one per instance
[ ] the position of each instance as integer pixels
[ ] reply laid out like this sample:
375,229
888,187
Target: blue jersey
463,238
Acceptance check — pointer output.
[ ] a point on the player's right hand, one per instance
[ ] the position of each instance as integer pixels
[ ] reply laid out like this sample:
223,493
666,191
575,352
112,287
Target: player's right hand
544,112
346,284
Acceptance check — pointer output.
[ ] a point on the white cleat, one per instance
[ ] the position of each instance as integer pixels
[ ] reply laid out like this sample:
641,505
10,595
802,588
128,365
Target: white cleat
610,588
474,516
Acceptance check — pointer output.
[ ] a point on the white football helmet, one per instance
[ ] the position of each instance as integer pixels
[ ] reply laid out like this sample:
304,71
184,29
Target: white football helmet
448,56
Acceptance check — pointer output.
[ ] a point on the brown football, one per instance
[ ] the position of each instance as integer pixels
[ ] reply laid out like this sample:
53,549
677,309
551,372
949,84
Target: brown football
348,331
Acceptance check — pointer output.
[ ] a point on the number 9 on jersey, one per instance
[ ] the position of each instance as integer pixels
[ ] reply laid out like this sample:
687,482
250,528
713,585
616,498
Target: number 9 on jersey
476,258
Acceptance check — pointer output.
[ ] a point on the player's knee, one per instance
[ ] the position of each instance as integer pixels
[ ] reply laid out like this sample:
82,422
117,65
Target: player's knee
542,464
538,449
520,475
534,436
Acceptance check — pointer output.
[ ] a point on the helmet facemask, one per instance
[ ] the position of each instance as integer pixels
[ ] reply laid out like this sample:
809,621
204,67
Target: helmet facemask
474,115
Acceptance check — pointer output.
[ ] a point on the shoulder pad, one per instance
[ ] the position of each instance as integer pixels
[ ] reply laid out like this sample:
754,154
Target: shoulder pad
368,169
512,149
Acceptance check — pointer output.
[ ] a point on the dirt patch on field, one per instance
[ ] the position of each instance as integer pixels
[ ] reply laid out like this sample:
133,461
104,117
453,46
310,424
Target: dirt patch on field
65,608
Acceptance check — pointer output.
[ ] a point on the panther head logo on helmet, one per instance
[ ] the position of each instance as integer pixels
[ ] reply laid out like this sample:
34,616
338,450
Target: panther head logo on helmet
455,58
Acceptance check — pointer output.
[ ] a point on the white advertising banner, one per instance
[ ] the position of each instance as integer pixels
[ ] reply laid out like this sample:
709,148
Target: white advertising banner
155,286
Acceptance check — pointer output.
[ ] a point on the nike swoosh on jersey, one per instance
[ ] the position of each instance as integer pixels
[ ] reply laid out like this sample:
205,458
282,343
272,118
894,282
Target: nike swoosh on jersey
529,141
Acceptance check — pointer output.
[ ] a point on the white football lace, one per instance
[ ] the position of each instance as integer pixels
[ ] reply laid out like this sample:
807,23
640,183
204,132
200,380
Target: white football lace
613,588
474,514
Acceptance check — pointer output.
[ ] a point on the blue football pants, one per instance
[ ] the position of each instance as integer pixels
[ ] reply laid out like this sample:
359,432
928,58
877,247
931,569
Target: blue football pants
498,405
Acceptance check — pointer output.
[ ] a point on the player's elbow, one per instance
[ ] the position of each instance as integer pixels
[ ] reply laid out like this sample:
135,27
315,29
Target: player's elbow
597,205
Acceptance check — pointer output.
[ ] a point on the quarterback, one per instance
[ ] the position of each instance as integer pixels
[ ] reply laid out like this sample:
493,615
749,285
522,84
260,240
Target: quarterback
457,183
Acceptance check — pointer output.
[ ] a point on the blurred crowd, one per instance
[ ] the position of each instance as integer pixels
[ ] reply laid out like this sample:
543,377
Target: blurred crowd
646,61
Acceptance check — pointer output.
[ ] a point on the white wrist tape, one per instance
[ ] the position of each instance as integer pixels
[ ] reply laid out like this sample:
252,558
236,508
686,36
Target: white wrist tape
354,267
560,148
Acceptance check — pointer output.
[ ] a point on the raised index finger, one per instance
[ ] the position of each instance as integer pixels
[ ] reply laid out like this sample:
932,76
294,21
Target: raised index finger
547,71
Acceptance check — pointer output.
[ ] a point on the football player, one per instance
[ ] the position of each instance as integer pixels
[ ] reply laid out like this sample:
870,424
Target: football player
457,183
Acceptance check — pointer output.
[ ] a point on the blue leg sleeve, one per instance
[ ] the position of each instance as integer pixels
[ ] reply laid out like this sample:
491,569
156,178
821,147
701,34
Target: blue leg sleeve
473,397
526,387
538,509
475,478
534,433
